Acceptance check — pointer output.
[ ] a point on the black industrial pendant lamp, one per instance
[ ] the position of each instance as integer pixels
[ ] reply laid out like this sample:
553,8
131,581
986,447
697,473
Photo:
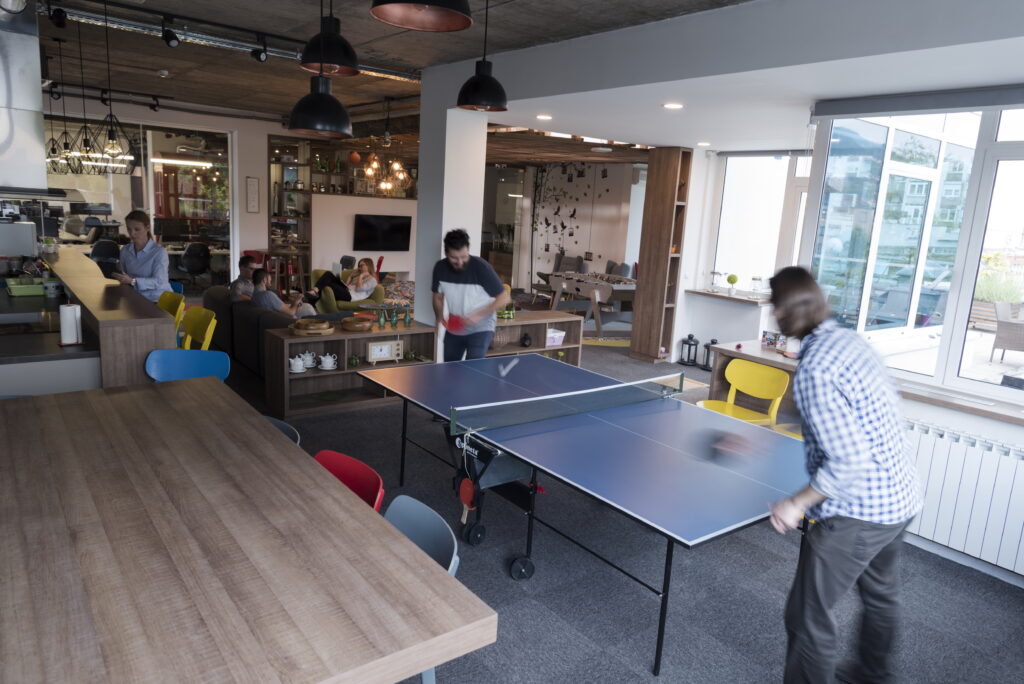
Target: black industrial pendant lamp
319,112
328,52
439,15
482,92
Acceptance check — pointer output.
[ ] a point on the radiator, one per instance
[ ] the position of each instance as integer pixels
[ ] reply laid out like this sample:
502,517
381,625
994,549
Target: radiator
973,491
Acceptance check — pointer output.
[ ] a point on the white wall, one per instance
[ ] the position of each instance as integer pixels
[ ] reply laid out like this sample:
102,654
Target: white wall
334,226
635,219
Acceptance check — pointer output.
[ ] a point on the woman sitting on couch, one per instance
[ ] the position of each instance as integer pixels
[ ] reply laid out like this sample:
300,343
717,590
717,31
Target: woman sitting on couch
357,287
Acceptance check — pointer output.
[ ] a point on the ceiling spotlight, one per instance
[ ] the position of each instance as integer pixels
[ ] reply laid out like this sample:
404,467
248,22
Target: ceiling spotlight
672,105
703,144
260,53
58,17
169,36
544,117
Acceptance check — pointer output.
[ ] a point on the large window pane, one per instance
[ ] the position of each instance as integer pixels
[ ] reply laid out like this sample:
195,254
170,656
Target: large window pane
945,236
848,201
748,231
994,340
1011,125
910,148
899,243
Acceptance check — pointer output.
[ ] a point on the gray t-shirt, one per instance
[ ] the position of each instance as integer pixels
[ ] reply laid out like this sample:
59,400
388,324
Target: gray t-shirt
267,300
468,290
241,287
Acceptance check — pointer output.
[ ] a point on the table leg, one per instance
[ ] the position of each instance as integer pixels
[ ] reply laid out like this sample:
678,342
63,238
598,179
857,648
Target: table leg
522,567
664,606
595,311
405,425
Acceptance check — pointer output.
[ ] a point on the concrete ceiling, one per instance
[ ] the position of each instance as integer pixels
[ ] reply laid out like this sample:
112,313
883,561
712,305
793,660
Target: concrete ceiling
767,109
218,77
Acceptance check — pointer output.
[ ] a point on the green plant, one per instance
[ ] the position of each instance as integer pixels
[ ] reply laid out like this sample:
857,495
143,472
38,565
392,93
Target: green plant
732,279
998,287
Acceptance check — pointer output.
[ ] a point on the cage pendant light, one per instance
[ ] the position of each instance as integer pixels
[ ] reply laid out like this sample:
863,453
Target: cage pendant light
328,52
482,92
87,148
319,112
437,15
69,162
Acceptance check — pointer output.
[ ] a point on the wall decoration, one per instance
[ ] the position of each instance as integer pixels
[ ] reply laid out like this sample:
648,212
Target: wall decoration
252,194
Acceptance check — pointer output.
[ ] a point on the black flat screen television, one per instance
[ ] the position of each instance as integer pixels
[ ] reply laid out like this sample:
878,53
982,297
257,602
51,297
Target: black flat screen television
377,233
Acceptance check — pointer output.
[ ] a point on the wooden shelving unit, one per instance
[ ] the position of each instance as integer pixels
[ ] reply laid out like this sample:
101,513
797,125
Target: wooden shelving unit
535,324
661,244
317,391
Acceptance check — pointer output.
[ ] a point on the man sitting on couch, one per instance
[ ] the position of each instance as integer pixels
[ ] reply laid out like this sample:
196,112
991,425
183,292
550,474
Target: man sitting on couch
242,287
269,300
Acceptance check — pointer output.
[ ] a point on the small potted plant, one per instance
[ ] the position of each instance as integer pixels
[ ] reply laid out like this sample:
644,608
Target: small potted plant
732,279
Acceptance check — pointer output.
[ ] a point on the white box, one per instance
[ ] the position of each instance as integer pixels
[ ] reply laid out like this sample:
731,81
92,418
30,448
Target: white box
554,337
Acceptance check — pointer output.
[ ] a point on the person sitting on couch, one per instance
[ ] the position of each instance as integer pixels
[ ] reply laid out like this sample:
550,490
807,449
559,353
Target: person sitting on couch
359,286
269,300
241,287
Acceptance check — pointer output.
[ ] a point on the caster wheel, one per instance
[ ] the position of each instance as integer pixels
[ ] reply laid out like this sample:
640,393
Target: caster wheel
521,568
474,533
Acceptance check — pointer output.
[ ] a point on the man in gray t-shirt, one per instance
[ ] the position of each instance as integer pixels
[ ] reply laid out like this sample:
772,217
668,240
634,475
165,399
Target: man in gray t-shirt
267,299
242,287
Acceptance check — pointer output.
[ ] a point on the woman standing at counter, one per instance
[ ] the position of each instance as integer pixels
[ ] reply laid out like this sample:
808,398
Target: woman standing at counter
143,262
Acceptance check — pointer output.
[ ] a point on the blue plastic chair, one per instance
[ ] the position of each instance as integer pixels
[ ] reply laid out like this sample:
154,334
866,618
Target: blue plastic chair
181,364
288,430
177,286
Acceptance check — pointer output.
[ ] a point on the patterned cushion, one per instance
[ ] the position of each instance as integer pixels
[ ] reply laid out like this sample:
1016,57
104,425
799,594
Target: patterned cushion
401,292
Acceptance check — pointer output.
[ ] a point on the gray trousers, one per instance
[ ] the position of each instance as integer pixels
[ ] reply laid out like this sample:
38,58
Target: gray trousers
835,554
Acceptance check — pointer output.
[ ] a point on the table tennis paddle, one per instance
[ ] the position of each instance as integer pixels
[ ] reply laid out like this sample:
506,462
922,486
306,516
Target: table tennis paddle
455,323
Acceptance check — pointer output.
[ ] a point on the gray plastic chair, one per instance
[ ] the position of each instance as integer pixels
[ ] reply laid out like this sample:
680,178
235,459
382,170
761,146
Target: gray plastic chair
286,429
611,267
427,530
347,262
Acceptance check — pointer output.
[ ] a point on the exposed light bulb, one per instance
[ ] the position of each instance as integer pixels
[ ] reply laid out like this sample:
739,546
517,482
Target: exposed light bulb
396,165
369,171
112,148
374,164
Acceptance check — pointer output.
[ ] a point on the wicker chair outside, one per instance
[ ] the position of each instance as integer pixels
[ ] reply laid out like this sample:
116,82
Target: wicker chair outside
1009,331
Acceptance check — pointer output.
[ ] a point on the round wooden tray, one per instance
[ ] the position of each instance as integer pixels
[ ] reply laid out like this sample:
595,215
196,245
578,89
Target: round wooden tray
311,333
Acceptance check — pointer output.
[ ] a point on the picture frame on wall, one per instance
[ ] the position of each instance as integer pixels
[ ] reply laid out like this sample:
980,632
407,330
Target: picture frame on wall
252,194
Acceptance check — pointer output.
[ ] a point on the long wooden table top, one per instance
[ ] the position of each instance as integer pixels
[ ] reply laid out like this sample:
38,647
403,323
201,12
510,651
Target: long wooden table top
168,532
107,301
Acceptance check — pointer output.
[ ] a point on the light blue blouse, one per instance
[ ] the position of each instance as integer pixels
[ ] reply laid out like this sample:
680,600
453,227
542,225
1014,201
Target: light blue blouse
148,267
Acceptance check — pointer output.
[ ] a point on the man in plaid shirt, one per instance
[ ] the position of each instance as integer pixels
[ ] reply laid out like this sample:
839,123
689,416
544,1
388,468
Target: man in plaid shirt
862,492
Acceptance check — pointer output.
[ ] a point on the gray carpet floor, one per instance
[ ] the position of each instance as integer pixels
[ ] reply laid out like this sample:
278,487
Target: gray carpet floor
577,620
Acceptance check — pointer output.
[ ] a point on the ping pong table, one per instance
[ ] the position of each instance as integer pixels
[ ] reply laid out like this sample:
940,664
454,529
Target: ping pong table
652,459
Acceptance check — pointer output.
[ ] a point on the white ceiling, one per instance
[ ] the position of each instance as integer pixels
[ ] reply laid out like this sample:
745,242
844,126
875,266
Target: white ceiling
768,109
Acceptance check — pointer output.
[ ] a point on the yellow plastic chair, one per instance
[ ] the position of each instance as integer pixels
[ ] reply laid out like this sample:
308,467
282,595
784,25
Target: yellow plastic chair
174,304
790,430
756,380
199,324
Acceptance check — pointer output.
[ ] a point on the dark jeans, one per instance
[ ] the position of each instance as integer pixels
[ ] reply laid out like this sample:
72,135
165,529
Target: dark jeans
474,345
835,554
328,279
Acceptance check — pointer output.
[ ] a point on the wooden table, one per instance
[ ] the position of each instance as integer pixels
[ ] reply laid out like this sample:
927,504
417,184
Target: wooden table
751,351
596,290
168,533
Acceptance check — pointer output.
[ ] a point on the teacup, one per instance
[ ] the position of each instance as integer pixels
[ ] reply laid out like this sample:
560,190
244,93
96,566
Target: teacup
328,360
309,359
297,364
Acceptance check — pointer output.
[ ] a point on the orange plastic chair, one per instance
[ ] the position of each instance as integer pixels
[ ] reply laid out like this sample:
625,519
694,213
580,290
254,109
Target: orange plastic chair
756,380
198,325
354,474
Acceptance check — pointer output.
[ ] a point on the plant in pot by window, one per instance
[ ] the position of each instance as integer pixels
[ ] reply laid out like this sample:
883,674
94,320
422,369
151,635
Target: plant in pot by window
732,279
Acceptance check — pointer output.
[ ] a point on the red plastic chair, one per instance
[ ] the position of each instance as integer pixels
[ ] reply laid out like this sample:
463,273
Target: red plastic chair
354,474
380,262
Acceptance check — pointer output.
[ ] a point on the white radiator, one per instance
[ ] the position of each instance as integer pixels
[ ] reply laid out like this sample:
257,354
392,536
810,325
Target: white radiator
973,492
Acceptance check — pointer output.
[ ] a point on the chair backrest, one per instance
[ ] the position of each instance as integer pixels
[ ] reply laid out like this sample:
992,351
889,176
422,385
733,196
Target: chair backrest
354,474
254,254
757,380
556,266
426,529
181,364
174,304
198,325
611,267
348,261
196,258
105,249
286,429
380,262
625,270
177,286
1003,311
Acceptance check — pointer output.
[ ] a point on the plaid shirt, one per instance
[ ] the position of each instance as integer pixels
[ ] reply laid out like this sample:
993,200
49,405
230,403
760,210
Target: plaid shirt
853,432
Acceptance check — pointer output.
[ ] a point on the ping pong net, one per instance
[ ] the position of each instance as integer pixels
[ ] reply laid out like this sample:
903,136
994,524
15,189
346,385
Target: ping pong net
479,417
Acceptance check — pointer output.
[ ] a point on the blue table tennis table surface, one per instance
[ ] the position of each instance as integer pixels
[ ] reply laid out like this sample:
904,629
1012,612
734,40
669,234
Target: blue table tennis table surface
653,460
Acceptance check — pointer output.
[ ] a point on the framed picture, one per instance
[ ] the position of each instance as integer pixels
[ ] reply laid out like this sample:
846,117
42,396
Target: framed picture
252,194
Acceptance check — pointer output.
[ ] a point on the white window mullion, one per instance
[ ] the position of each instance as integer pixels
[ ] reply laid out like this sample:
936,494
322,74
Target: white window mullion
876,227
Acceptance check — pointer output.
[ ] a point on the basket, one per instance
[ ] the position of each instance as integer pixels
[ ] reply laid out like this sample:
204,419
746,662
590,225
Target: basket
16,289
503,335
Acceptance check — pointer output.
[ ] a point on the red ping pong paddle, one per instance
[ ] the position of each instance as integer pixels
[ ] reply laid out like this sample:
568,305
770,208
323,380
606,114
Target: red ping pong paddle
455,324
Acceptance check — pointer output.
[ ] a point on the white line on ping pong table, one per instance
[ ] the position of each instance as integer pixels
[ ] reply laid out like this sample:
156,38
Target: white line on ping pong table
565,394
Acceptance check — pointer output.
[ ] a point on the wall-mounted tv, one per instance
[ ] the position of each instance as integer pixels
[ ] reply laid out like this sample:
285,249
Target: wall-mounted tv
377,233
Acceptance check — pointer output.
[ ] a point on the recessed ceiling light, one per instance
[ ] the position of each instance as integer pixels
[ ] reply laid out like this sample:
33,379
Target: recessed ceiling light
544,117
601,148
512,194
703,144
672,105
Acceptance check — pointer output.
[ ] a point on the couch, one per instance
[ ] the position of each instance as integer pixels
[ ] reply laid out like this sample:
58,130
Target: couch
327,304
240,327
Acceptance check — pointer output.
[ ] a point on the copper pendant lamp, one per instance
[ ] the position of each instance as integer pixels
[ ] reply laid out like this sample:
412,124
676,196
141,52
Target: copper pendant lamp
436,15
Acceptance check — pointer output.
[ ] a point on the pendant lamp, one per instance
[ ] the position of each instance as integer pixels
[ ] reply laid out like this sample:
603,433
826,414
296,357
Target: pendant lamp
482,92
319,112
87,148
328,52
438,15
65,144
118,153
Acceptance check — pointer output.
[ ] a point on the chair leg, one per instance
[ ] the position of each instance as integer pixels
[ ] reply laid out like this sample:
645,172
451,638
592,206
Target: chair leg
428,677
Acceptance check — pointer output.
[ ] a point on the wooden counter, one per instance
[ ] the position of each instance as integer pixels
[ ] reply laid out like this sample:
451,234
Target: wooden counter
169,533
126,325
